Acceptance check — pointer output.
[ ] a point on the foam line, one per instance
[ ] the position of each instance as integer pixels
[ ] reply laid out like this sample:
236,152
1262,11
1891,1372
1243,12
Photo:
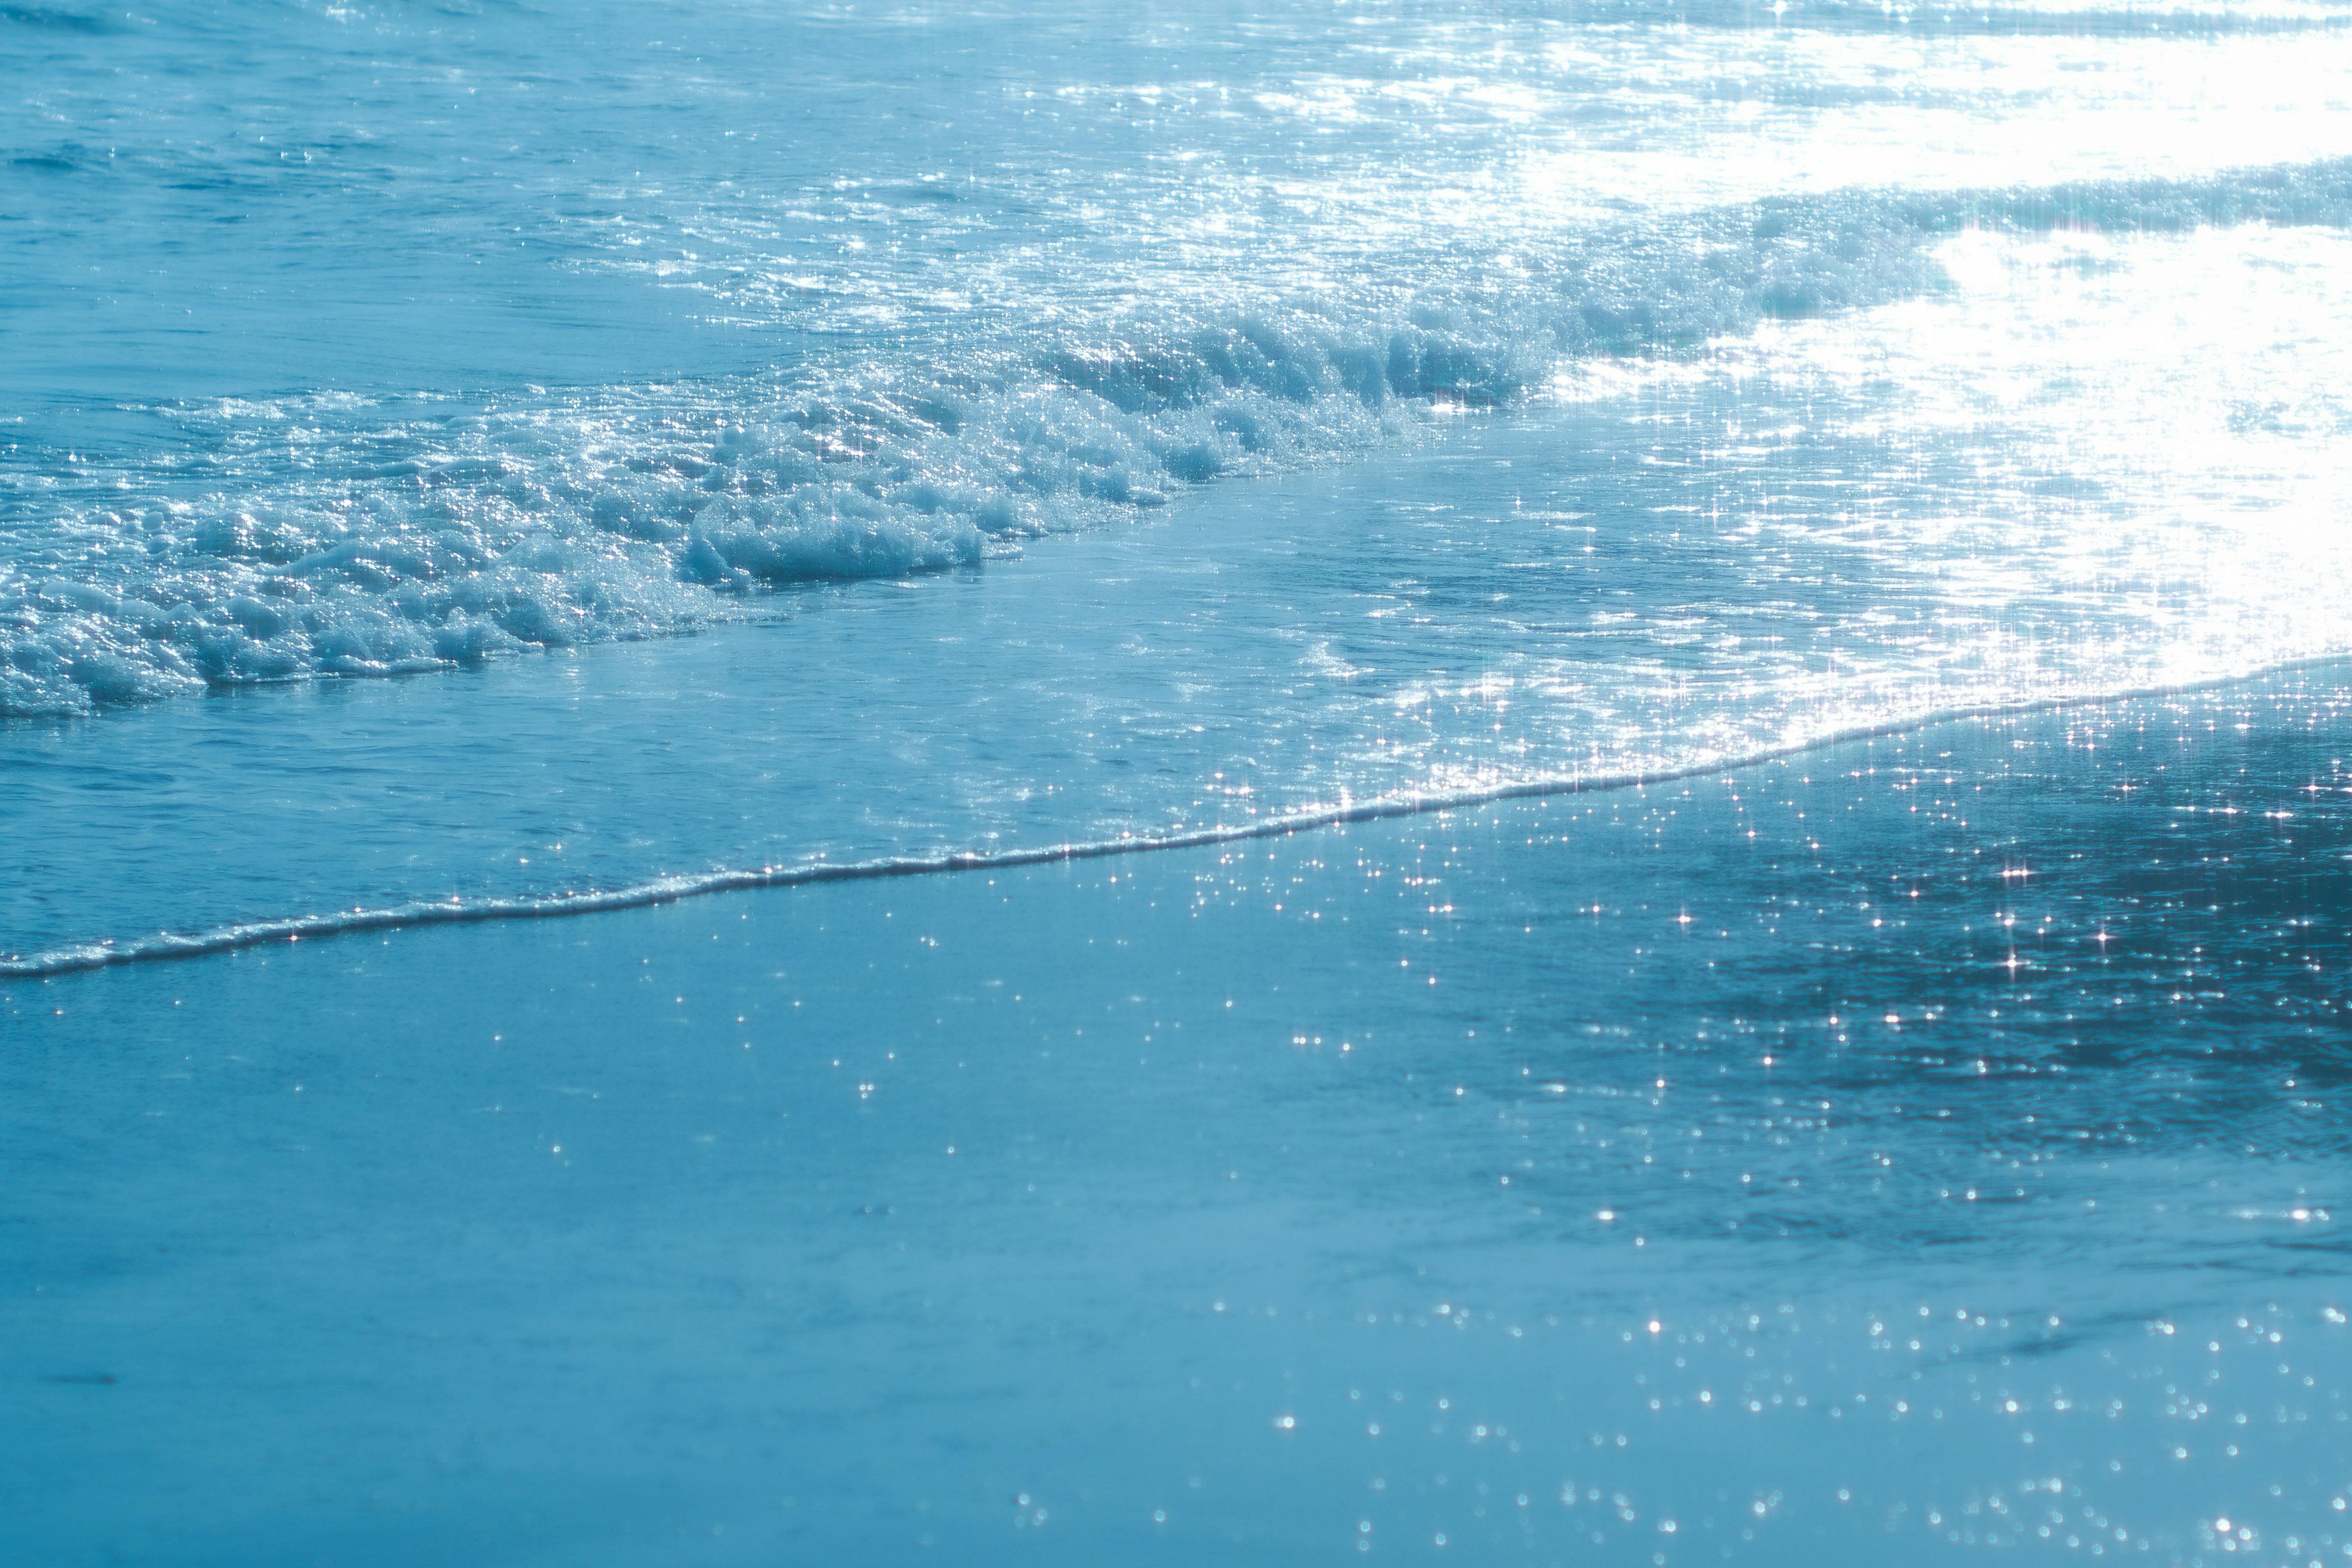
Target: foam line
674,888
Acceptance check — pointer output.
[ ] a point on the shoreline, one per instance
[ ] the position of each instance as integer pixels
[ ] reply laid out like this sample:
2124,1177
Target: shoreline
1929,1096
167,946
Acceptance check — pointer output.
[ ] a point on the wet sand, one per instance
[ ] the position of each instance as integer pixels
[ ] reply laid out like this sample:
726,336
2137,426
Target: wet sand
1876,1155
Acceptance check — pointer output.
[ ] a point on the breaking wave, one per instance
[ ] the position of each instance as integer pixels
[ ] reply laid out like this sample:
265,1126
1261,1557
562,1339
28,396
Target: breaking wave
345,535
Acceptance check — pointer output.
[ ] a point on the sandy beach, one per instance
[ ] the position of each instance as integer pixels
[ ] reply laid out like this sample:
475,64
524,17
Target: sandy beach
1883,1152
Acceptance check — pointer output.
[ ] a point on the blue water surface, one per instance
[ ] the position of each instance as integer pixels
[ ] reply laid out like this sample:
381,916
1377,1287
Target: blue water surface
1738,615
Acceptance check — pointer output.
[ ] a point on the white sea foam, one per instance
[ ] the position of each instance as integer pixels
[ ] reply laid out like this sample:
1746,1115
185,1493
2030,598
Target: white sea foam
2000,493
333,535
687,331
1829,376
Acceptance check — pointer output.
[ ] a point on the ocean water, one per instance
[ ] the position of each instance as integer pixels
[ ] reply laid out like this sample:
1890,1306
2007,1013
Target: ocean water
1924,1149
471,463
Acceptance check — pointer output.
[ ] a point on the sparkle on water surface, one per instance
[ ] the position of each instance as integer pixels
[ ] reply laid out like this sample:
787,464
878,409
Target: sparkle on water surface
1903,1128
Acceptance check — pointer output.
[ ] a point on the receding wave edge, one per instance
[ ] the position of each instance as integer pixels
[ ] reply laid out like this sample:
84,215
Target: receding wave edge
669,889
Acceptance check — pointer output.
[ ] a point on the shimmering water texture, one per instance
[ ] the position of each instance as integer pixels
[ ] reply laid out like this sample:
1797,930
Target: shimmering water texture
2004,497
450,335
1556,783
1922,1149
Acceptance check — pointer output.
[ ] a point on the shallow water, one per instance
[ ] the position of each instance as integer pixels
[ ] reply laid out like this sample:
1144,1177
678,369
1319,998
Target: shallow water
2004,496
1832,518
1877,1155
455,334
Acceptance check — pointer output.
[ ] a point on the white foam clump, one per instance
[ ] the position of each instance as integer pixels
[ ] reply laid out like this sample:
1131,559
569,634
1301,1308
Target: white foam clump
425,539
334,537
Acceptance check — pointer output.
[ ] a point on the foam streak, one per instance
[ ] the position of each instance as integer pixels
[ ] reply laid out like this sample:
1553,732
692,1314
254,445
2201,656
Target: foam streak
677,888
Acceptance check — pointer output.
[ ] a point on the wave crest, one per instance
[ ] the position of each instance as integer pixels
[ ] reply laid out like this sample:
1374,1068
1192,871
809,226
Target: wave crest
336,536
